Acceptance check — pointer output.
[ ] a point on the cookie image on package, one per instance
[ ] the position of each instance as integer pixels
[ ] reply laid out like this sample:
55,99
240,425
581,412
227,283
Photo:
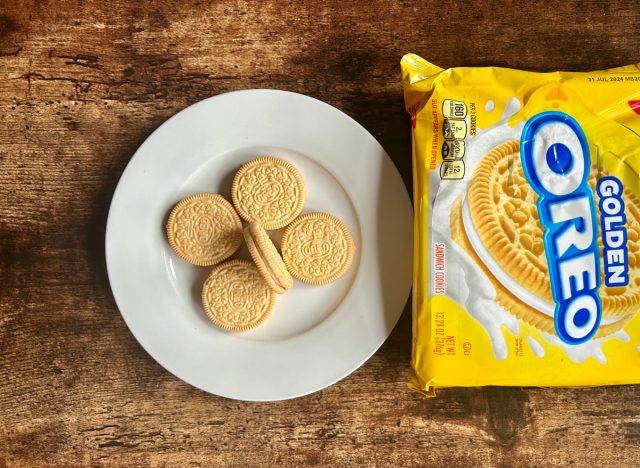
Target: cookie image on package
236,297
267,259
269,191
204,229
496,222
317,248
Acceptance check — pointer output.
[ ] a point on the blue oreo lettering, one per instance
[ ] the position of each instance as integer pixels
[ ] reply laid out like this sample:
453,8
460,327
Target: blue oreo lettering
555,159
614,231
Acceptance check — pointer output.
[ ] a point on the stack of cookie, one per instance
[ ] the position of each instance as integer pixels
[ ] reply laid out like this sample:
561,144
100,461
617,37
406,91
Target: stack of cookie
267,193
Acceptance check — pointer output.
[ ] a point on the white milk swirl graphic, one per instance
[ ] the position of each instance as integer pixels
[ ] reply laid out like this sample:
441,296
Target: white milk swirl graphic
479,301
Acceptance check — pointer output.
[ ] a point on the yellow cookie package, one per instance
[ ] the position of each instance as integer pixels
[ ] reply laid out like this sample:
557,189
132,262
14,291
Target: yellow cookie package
527,226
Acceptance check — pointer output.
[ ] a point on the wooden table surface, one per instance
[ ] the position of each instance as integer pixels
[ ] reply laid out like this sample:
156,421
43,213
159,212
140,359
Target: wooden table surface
83,83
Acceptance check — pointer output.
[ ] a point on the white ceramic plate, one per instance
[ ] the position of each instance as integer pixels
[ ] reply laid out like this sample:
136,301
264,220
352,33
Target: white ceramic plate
317,334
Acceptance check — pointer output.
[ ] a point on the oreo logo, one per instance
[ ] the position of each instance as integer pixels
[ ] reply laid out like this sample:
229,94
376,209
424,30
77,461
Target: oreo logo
317,248
204,229
555,157
268,191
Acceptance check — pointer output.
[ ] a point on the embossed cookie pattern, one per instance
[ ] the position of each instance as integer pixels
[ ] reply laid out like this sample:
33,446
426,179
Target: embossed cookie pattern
235,296
269,191
317,248
204,229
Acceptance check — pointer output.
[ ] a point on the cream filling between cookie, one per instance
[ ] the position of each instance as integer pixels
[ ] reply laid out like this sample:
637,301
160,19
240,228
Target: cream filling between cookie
503,277
267,264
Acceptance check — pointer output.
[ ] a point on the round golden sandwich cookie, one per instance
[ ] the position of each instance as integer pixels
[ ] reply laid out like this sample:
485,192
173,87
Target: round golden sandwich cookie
204,229
317,248
267,259
496,222
236,297
269,191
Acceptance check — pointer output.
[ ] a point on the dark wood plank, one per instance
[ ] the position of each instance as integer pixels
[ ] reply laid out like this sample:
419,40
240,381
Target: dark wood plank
82,83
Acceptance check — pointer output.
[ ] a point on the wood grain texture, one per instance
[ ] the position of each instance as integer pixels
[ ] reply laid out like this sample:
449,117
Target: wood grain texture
82,83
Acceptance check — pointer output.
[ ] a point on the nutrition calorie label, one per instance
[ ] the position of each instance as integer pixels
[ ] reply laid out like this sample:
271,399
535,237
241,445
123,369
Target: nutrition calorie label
454,130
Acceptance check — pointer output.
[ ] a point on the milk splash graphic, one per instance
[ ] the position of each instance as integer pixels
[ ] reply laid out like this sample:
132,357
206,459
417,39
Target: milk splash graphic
479,301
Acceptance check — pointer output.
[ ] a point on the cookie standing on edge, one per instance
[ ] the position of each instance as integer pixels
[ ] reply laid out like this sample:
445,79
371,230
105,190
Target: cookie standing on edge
497,224
269,191
317,248
236,297
267,259
204,229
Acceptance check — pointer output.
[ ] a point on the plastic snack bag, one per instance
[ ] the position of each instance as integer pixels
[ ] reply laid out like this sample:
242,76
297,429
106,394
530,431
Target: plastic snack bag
527,226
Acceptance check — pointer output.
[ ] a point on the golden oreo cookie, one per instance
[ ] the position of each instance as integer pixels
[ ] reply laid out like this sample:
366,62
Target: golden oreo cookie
317,248
269,191
267,259
204,229
235,297
498,221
